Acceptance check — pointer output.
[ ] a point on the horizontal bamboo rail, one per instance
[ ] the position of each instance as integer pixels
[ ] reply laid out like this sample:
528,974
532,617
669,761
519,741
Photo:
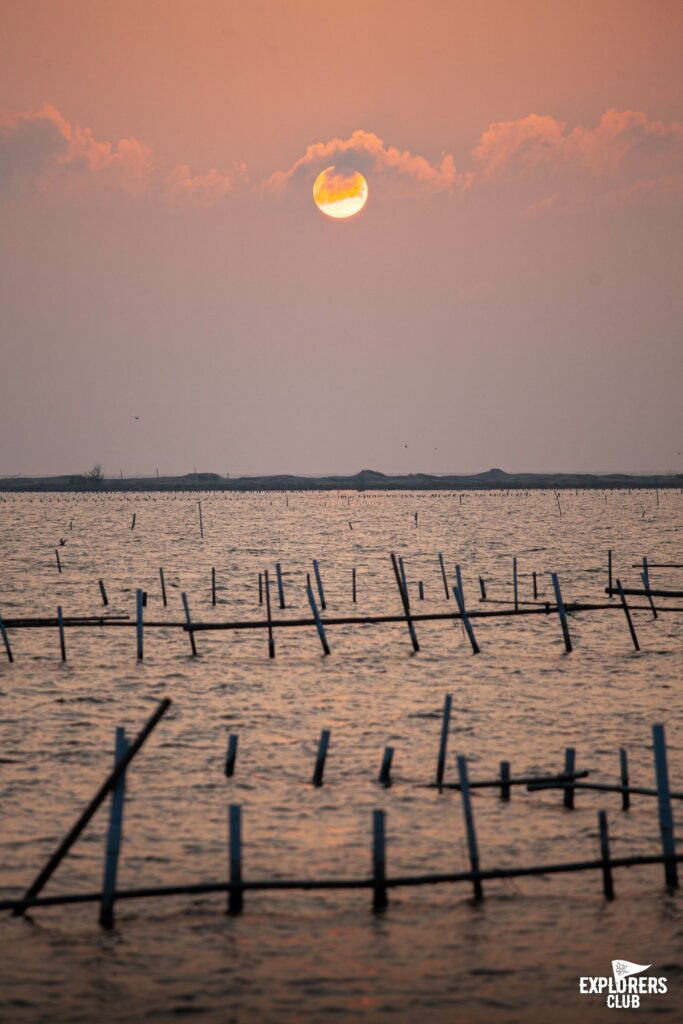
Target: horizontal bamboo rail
544,608
399,881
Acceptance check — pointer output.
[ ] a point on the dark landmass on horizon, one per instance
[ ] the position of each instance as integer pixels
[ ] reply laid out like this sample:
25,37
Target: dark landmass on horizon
366,480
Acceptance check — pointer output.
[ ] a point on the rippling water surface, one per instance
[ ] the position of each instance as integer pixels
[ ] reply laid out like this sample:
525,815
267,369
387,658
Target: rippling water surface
434,954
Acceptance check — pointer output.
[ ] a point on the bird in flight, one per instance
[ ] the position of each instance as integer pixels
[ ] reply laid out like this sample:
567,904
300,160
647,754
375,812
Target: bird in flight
135,417
62,542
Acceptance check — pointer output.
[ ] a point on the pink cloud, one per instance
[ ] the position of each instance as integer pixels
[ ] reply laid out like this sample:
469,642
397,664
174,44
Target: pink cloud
367,152
619,141
180,184
40,146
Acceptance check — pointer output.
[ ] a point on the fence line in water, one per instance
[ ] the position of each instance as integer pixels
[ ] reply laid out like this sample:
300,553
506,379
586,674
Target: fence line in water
379,881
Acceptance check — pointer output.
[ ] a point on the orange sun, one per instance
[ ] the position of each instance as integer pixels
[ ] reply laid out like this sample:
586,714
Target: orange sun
340,193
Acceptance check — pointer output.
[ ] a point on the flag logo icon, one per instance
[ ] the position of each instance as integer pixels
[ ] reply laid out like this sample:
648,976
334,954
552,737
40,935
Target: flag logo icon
624,968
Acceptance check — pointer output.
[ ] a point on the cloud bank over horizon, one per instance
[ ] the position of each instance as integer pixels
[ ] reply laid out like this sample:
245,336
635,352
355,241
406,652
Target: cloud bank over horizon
624,156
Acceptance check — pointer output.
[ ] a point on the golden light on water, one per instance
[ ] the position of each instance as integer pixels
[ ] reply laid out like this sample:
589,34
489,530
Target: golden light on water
340,194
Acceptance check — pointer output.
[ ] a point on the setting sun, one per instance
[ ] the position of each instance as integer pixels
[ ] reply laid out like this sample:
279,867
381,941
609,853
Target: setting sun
340,194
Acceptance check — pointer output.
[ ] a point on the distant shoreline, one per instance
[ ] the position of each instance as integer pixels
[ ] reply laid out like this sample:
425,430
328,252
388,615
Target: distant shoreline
366,480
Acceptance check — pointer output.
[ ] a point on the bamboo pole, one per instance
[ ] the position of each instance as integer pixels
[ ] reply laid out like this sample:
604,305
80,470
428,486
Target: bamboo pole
62,642
607,883
319,585
139,624
627,613
280,587
318,621
385,770
231,756
403,591
271,640
562,612
666,822
443,740
623,766
319,769
457,593
504,780
236,893
188,623
469,828
443,577
569,770
379,896
113,836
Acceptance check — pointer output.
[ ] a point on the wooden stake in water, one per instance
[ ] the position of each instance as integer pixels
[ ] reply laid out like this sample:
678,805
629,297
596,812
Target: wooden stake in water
443,577
623,765
457,594
482,588
353,585
188,623
469,827
163,587
504,780
609,571
319,585
201,521
558,504
535,586
132,525
379,889
666,821
260,588
515,589
403,591
235,896
385,770
562,612
111,860
59,564
271,640
231,755
420,590
280,587
213,586
443,740
103,592
646,584
569,770
319,769
607,884
138,624
458,581
60,624
5,640
318,621
627,613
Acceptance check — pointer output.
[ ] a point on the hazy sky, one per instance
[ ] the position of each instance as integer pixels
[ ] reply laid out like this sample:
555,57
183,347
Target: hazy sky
511,295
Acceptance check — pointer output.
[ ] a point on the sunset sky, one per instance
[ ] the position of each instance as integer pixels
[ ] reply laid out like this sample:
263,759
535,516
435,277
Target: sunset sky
510,295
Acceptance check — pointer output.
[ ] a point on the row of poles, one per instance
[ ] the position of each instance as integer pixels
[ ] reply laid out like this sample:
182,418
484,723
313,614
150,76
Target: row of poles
379,881
463,614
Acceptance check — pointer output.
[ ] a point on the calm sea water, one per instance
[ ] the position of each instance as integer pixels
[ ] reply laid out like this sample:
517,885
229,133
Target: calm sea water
292,957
